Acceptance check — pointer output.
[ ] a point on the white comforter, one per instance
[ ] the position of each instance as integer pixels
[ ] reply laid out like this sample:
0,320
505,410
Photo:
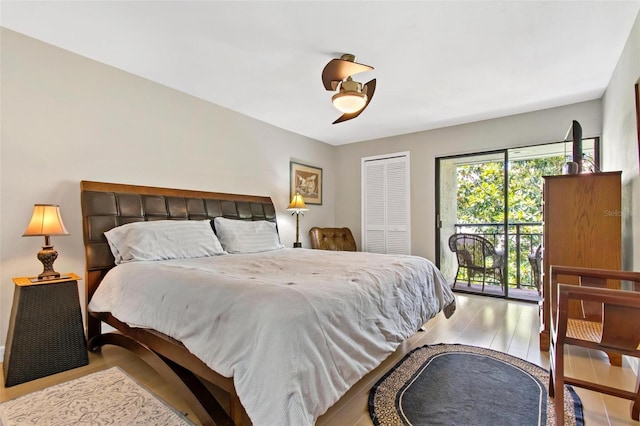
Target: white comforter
295,328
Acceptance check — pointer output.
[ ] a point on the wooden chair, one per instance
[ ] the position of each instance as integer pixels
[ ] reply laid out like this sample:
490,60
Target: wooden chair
478,256
593,313
340,239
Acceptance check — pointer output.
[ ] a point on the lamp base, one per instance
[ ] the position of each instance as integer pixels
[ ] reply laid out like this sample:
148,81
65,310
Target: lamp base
47,256
297,244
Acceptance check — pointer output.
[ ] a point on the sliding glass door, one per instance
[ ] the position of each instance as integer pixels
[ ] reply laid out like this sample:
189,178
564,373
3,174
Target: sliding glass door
472,201
497,196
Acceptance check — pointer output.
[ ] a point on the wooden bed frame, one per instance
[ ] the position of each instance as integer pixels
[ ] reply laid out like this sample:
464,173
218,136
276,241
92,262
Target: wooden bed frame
107,205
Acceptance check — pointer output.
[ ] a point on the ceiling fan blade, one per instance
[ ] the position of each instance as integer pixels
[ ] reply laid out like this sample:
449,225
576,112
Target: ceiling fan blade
339,69
371,88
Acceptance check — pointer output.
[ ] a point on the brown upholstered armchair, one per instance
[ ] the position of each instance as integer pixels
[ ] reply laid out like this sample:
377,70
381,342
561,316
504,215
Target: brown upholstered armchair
340,239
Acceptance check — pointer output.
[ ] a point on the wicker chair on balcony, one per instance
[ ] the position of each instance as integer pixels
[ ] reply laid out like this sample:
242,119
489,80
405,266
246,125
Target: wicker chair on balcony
477,255
535,260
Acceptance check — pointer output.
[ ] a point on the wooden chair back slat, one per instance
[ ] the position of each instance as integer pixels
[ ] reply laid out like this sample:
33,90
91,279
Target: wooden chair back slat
620,328
590,308
592,311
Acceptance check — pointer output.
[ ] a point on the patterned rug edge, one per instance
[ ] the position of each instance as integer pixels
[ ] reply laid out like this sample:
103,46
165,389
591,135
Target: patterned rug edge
135,402
572,400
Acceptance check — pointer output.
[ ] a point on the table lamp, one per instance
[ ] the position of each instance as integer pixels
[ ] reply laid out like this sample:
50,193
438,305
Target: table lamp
297,207
46,221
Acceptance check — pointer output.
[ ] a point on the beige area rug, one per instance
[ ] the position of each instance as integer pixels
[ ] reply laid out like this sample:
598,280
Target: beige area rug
108,397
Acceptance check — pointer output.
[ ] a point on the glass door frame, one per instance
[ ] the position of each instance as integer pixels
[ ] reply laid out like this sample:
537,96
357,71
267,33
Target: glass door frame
505,223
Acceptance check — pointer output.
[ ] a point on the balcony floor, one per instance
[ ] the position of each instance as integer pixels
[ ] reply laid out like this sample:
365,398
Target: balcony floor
525,293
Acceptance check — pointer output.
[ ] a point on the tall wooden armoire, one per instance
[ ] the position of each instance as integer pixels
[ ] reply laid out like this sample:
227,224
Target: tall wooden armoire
582,227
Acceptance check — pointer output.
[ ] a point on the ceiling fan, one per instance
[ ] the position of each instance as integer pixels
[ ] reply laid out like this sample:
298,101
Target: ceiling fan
352,97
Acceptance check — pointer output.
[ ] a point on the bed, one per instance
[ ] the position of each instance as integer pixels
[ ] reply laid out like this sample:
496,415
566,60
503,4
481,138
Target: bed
279,330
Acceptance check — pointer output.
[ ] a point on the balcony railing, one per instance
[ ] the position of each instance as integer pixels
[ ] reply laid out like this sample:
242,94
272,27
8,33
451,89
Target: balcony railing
524,239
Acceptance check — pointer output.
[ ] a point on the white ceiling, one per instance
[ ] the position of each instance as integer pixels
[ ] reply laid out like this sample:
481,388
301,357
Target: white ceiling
437,63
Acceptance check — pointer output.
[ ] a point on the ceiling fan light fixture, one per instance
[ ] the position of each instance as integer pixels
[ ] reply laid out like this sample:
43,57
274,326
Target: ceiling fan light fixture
349,102
350,98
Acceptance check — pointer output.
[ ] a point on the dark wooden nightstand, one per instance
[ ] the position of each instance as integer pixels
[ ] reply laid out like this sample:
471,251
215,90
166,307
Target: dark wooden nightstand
46,335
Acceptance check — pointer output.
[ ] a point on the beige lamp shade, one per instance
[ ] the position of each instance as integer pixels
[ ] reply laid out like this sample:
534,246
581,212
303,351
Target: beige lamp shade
297,204
45,221
296,207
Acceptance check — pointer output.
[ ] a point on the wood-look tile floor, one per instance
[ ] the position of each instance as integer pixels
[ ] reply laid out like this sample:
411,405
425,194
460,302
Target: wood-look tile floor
506,326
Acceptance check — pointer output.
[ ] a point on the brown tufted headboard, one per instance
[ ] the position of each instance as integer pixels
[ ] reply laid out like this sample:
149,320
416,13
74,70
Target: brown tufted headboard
107,205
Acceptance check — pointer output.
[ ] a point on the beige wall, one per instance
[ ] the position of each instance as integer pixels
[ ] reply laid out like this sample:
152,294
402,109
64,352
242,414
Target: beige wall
619,130
518,130
66,118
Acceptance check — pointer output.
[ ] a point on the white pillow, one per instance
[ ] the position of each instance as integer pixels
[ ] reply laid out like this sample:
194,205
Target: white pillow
162,240
242,236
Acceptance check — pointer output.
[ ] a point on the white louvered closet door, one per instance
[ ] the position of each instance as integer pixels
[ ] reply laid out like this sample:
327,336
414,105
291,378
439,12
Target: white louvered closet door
385,204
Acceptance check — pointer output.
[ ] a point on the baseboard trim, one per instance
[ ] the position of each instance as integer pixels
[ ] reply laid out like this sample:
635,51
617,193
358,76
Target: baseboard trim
634,363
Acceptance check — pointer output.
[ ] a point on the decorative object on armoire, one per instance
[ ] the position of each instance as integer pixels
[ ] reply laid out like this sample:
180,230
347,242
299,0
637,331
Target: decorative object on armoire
306,181
297,207
570,168
574,135
45,222
614,329
582,227
467,385
351,97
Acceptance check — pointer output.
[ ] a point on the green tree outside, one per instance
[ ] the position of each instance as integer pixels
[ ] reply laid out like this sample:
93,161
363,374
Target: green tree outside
480,200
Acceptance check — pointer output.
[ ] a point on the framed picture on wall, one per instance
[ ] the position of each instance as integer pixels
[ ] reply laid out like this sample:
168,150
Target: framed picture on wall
307,181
